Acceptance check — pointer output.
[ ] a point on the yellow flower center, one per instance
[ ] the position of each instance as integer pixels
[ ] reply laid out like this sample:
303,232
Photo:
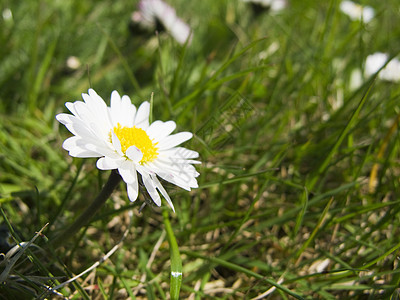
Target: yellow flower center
133,136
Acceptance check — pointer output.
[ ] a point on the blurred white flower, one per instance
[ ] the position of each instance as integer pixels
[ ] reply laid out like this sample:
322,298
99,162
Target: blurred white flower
374,62
73,63
356,79
7,14
357,12
121,136
273,5
152,11
391,72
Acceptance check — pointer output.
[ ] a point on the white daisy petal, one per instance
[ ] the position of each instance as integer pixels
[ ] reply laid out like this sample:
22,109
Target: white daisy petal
79,142
142,116
78,127
115,101
163,191
151,189
96,112
128,172
64,118
70,107
96,100
83,153
107,163
122,111
116,143
175,180
174,140
134,154
81,111
158,130
128,111
179,153
181,175
133,190
97,122
115,107
97,107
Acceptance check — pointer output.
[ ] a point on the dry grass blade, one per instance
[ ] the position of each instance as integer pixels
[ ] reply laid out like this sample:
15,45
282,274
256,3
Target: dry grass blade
15,253
96,264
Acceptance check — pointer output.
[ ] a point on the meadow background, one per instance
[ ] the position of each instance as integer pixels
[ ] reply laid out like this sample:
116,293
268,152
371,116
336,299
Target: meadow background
299,179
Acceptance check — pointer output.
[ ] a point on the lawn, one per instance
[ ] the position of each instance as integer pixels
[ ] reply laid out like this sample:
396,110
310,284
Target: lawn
298,194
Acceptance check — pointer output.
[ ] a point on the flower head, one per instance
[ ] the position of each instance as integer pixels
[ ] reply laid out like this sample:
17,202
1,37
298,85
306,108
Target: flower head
391,72
273,5
121,136
357,12
152,12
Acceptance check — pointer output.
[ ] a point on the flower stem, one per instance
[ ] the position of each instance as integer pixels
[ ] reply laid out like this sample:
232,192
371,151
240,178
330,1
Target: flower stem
176,262
86,216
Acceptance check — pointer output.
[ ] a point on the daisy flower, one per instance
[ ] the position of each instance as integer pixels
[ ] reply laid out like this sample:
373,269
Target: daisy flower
357,12
273,5
121,136
391,72
152,12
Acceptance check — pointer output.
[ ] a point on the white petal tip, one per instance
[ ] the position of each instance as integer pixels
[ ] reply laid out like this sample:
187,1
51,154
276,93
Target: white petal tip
134,154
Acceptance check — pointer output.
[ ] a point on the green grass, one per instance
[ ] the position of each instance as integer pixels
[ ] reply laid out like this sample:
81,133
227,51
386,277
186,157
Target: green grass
287,151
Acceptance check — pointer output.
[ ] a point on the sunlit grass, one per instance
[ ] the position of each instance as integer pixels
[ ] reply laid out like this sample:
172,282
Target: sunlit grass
287,150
